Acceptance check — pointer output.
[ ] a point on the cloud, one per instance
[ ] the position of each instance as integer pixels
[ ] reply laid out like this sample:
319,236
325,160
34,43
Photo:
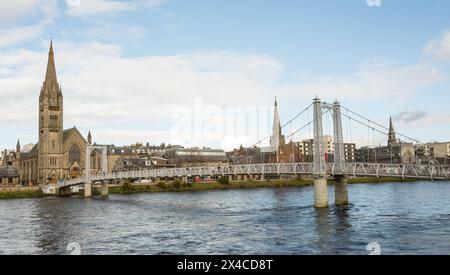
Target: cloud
13,36
103,89
11,11
373,81
93,7
44,11
410,116
439,49
113,32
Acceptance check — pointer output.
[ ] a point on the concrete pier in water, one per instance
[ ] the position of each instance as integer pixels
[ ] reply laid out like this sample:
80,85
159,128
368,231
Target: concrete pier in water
88,190
320,192
341,190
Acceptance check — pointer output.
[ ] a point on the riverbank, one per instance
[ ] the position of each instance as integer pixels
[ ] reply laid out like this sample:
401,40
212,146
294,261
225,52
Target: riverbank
20,193
177,186
129,188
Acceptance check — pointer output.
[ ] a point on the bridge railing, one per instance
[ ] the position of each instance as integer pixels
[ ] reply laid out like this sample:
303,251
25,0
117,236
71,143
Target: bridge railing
352,169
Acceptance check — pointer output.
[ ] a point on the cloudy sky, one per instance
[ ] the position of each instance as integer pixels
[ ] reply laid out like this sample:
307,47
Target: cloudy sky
204,72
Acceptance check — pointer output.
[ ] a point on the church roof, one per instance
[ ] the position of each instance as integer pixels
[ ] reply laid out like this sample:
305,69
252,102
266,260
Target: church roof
35,150
8,172
74,130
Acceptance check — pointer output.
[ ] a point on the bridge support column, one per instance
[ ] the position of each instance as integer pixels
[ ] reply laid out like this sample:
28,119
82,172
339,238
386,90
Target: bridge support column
184,179
105,190
88,189
320,192
341,190
63,192
262,177
230,178
245,177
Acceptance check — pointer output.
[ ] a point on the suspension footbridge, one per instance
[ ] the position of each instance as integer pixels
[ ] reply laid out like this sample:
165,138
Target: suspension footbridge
319,168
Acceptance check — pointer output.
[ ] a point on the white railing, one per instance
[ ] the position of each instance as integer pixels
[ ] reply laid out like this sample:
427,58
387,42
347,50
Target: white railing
352,169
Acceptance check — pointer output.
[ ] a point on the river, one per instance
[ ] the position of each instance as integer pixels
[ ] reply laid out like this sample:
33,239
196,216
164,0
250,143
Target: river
403,218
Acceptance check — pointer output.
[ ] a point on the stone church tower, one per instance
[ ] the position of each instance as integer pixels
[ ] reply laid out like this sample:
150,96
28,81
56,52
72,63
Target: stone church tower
50,155
391,136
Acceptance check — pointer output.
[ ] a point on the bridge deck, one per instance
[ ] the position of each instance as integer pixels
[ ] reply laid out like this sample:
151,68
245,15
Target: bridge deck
405,171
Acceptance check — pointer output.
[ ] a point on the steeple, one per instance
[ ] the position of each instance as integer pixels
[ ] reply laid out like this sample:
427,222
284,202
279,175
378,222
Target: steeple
391,136
50,76
51,116
276,139
18,150
89,138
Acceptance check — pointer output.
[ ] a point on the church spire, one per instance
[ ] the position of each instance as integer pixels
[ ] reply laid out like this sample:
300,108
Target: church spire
391,136
50,76
89,138
275,140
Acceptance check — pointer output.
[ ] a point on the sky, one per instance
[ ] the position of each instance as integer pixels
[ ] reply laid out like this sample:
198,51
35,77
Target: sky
206,72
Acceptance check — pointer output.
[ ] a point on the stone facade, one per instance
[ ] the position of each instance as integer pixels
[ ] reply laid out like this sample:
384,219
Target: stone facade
9,174
59,154
394,152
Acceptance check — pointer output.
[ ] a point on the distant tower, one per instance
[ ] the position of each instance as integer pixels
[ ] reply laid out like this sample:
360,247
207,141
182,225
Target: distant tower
18,150
50,154
276,129
89,138
5,158
277,139
391,136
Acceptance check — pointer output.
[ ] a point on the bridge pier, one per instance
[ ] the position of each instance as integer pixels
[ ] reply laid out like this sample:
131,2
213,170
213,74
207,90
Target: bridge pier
321,192
262,177
63,192
105,190
340,190
88,189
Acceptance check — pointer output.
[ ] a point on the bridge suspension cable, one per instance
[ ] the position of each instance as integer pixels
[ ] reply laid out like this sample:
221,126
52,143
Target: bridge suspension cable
297,116
380,125
369,122
306,110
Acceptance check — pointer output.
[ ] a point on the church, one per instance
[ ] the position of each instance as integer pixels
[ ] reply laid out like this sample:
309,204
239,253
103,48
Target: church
59,153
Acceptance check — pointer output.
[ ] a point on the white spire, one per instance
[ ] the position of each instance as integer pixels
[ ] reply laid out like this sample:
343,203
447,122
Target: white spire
276,130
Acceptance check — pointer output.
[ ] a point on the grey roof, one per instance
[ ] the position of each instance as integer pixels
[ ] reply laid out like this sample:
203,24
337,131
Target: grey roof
8,172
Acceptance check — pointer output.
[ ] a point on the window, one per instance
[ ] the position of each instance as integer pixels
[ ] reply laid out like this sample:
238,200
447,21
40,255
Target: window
52,161
53,121
74,153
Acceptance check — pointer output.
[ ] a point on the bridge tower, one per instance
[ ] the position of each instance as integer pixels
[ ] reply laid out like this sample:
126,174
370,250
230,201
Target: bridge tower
319,166
88,173
340,187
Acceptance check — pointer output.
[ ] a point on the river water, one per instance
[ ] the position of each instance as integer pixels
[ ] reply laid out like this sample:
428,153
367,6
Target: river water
403,218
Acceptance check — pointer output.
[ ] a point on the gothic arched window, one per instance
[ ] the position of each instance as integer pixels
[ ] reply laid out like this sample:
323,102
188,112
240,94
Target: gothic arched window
74,153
